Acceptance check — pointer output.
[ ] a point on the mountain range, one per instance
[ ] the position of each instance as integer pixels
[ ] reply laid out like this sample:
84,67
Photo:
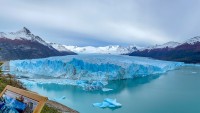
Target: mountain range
25,45
111,49
188,51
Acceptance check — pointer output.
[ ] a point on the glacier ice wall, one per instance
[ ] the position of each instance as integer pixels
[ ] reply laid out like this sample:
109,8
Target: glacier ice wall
91,68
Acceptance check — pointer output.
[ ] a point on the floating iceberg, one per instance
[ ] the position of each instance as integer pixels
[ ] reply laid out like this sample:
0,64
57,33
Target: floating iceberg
194,72
88,71
110,103
106,89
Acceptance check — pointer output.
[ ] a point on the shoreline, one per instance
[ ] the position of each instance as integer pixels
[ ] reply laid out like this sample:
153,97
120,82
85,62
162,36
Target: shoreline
60,107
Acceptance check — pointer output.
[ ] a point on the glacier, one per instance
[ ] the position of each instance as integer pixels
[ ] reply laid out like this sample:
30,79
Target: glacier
87,71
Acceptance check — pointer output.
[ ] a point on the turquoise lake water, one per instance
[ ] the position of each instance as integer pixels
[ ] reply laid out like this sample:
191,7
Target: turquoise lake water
176,91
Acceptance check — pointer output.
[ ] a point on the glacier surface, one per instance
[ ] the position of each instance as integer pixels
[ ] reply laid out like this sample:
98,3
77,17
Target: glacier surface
87,71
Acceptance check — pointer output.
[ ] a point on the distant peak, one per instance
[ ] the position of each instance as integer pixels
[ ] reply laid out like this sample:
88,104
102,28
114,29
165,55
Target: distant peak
24,30
196,37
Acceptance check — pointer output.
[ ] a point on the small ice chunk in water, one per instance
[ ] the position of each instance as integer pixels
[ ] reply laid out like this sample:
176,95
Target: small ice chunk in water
194,72
106,89
61,98
110,103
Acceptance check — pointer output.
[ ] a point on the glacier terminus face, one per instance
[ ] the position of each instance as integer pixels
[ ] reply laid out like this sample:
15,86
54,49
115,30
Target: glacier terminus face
88,71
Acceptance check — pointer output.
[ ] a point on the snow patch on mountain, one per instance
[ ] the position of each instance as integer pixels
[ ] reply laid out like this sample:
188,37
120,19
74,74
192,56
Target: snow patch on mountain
193,40
170,44
59,47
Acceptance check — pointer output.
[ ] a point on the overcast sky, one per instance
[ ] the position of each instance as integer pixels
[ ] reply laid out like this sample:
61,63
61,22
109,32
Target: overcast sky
103,22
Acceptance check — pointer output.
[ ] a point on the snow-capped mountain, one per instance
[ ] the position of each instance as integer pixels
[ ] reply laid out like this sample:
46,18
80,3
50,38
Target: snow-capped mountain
23,34
112,49
187,51
25,45
173,44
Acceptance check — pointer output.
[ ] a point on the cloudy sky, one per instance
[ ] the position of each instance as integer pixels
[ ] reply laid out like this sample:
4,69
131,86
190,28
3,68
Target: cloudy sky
103,22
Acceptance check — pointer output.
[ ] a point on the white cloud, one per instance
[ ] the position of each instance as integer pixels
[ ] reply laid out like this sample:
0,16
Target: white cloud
114,21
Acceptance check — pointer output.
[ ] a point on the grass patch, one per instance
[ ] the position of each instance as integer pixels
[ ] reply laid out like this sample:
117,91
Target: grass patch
47,109
9,80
